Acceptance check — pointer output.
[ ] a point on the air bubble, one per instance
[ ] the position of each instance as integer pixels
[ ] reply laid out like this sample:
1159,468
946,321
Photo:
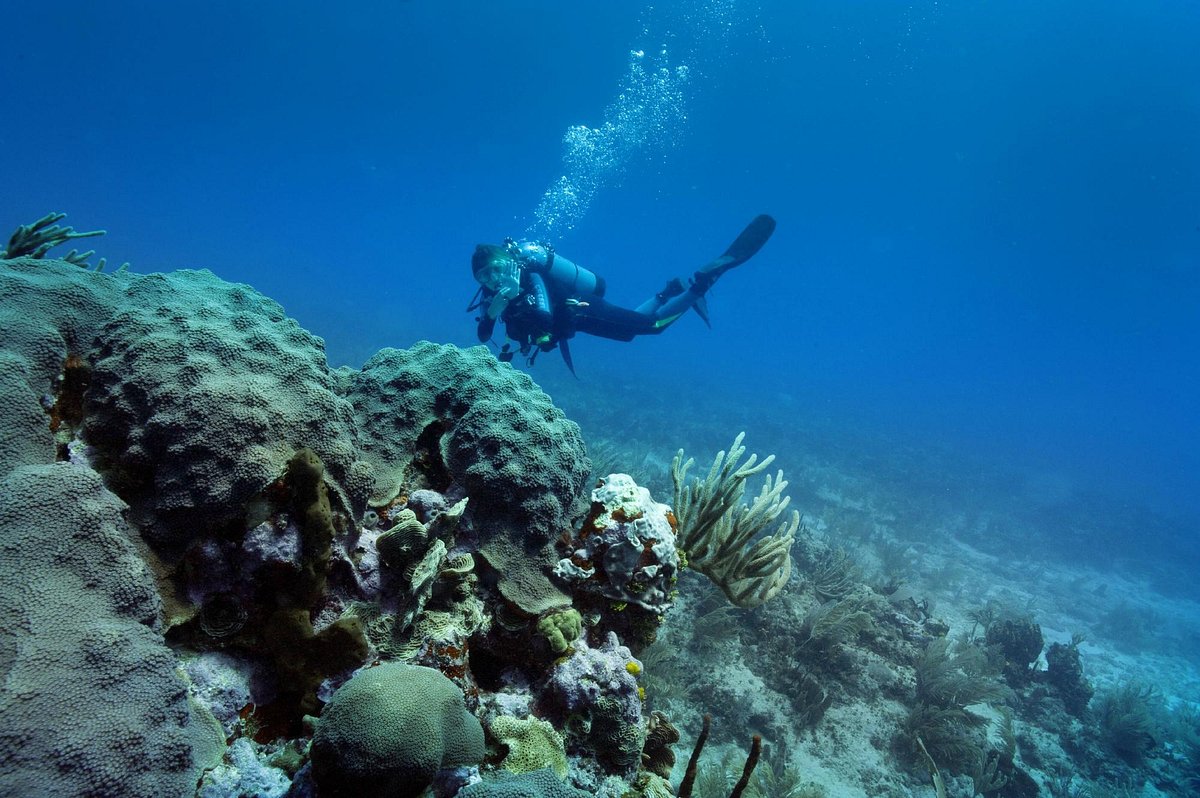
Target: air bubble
645,119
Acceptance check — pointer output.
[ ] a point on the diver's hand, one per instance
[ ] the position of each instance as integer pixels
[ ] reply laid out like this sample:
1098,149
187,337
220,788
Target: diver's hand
500,301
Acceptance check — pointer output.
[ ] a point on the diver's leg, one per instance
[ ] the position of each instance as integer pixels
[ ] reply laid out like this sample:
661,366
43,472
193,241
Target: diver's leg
606,320
673,288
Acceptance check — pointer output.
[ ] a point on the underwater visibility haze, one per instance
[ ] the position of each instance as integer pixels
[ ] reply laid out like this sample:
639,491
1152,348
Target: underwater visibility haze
971,344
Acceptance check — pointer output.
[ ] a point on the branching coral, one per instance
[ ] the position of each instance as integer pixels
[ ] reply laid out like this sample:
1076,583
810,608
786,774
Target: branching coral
36,239
725,539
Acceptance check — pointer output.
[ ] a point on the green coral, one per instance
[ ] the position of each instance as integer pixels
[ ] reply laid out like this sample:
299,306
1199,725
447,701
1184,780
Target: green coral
532,744
388,730
561,629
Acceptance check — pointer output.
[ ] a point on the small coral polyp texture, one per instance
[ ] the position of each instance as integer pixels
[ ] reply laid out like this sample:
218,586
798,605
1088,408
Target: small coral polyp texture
625,550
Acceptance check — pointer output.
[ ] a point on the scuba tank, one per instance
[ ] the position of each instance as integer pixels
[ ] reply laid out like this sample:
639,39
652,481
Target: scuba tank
541,258
541,314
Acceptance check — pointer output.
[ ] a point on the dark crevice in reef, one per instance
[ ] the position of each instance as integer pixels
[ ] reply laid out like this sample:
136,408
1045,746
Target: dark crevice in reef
66,413
428,460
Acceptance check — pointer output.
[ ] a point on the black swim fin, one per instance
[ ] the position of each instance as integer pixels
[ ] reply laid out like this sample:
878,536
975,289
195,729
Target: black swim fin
566,356
744,247
751,240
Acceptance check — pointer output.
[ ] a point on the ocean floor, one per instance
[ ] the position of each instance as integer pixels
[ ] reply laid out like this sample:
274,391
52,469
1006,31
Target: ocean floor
968,543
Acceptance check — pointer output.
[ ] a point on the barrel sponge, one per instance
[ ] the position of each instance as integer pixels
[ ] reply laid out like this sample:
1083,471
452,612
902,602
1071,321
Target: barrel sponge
460,416
388,730
201,391
90,699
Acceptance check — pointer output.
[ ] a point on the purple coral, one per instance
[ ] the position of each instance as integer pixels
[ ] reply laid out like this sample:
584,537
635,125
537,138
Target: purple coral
598,686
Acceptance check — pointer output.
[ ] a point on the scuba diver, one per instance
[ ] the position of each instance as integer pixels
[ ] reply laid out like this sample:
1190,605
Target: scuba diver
545,299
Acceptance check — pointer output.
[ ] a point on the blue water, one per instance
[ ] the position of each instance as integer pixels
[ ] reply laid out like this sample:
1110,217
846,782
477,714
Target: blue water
989,212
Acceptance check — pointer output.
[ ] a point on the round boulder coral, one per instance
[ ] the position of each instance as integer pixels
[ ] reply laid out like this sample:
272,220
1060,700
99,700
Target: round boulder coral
435,415
388,730
201,391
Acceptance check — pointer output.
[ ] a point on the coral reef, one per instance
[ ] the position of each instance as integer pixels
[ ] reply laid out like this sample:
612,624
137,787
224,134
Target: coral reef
240,459
263,576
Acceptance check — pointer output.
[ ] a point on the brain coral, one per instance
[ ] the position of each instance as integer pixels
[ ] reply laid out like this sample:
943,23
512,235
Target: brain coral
441,415
388,730
90,703
200,393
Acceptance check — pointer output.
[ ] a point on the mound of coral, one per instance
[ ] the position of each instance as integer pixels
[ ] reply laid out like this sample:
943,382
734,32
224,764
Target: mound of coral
191,509
264,576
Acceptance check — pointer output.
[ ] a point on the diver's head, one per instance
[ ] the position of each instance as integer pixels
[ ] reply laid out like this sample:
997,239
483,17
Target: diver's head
499,274
496,270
